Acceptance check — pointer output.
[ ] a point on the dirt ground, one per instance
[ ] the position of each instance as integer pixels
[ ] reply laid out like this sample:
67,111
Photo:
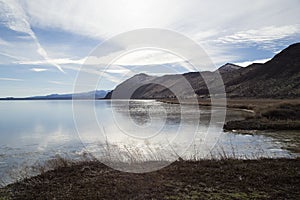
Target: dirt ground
206,179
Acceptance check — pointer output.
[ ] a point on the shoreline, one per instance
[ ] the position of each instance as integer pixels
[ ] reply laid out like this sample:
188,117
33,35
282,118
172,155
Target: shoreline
263,112
226,178
203,179
256,108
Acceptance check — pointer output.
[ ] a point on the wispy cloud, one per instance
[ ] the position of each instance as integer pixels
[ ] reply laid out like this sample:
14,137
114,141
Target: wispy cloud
203,21
43,33
16,19
95,70
4,43
10,56
38,69
56,61
189,17
140,57
11,79
246,63
118,70
59,83
261,35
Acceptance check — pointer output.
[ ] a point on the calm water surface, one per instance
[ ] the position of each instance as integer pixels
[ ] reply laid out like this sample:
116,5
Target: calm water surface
33,131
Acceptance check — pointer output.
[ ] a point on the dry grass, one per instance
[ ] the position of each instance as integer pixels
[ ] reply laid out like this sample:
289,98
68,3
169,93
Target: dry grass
125,157
203,179
62,177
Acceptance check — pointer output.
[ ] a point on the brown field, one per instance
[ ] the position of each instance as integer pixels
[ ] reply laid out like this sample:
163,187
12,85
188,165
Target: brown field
204,179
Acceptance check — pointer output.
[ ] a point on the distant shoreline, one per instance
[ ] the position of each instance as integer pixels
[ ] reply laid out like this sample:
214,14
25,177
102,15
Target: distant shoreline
268,114
264,114
47,99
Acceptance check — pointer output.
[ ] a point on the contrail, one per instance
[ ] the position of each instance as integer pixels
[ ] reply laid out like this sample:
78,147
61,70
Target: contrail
14,17
43,53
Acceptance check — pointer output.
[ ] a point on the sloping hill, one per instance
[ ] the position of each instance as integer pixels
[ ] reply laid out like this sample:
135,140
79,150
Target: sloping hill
228,67
277,78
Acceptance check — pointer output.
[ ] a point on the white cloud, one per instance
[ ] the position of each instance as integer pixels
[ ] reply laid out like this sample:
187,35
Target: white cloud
59,83
95,70
10,79
3,43
198,19
38,69
246,63
115,69
265,34
10,56
219,54
14,17
57,61
207,22
19,50
100,19
139,57
135,58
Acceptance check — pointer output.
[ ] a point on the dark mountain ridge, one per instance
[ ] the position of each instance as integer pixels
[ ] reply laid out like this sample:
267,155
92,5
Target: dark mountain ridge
277,78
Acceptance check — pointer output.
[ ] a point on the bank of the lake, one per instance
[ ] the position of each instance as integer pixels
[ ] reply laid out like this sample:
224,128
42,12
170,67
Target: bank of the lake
264,114
204,179
276,178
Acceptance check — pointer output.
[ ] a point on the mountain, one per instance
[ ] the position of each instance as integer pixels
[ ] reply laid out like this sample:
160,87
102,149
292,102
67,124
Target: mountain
128,85
277,78
228,67
142,86
97,94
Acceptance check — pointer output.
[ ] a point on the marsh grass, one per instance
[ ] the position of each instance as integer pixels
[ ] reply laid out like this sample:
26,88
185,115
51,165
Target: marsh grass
123,157
285,111
193,176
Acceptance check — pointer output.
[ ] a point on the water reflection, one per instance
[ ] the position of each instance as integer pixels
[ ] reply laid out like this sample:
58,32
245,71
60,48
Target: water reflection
37,130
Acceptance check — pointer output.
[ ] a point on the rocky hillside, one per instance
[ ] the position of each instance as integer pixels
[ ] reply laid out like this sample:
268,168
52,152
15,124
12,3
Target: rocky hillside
277,78
228,67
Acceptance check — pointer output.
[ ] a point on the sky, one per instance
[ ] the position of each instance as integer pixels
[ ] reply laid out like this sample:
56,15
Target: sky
44,44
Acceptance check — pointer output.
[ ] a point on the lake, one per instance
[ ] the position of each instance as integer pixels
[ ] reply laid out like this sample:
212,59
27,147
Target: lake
35,131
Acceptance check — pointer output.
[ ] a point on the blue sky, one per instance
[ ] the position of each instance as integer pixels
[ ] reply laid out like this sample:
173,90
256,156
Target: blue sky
44,43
